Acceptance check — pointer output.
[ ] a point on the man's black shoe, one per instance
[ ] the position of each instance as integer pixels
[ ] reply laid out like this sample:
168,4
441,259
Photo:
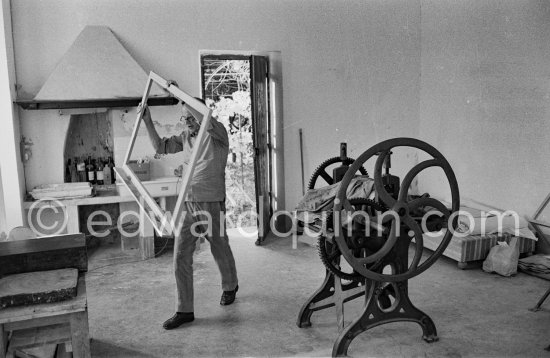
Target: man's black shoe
178,319
228,297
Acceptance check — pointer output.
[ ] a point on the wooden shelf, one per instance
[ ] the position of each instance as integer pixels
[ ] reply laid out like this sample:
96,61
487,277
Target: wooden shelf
159,187
95,103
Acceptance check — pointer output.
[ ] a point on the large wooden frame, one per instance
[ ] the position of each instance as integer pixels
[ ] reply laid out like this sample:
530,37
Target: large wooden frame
164,224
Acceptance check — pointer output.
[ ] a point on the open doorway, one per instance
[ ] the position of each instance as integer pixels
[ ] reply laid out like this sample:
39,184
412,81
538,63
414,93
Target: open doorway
235,87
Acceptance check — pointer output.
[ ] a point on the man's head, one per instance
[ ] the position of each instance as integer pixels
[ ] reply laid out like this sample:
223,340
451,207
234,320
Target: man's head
190,117
189,120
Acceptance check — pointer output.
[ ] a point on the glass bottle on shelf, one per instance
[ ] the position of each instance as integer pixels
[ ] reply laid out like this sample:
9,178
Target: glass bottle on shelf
81,170
68,165
90,169
72,171
99,172
107,178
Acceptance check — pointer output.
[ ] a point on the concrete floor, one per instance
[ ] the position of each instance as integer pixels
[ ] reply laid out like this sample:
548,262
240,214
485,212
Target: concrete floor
476,314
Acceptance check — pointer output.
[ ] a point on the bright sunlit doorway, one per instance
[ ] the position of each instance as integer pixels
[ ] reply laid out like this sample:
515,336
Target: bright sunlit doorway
235,87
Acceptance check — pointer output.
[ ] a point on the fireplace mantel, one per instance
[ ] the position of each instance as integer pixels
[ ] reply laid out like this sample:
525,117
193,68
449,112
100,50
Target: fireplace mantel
95,103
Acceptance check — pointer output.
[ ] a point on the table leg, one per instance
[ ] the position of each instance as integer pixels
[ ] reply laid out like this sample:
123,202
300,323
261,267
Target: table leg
146,236
80,336
3,341
339,303
73,226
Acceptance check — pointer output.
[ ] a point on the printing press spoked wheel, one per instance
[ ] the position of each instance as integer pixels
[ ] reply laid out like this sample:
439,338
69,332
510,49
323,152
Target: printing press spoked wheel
326,175
330,253
399,210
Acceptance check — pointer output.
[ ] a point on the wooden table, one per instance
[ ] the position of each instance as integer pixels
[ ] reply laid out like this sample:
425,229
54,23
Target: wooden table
160,188
70,314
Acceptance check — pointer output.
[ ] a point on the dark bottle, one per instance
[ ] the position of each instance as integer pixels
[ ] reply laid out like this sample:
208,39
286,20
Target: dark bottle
99,172
90,169
72,171
68,171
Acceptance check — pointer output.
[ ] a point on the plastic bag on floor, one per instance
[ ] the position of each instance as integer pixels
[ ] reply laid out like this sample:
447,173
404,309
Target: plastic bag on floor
503,258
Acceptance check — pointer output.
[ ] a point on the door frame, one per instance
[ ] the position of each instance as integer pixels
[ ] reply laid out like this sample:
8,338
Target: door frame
275,130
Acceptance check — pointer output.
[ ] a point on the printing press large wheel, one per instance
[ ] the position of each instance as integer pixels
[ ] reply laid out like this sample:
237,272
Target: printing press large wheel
399,210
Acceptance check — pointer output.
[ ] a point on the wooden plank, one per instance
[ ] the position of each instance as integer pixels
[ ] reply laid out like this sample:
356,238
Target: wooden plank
3,341
95,103
37,322
151,204
22,313
146,203
80,335
39,336
138,121
47,253
38,287
108,199
8,248
181,95
46,351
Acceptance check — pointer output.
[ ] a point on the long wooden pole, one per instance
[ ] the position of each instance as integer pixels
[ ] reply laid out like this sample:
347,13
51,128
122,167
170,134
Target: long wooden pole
302,163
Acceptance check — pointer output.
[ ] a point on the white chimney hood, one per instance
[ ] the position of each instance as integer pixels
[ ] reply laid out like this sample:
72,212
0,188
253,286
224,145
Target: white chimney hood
96,71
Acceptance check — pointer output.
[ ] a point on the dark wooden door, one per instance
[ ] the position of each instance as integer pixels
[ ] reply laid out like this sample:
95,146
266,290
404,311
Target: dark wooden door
260,120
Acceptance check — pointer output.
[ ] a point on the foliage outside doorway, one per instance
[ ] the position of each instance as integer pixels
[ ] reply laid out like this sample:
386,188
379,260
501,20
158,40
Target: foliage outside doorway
226,84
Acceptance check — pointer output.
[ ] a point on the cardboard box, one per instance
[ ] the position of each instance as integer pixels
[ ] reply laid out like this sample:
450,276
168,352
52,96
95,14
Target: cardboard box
141,170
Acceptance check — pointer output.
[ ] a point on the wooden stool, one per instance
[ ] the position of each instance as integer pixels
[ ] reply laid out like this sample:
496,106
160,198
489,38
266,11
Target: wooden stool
48,323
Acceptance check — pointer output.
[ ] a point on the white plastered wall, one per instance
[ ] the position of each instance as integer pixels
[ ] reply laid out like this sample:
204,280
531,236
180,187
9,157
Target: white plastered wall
349,70
470,77
12,180
485,99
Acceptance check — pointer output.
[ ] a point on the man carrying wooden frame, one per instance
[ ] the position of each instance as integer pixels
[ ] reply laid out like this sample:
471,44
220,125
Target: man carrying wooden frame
201,203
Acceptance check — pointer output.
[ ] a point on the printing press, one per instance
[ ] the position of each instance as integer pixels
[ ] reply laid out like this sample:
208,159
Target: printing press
372,225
